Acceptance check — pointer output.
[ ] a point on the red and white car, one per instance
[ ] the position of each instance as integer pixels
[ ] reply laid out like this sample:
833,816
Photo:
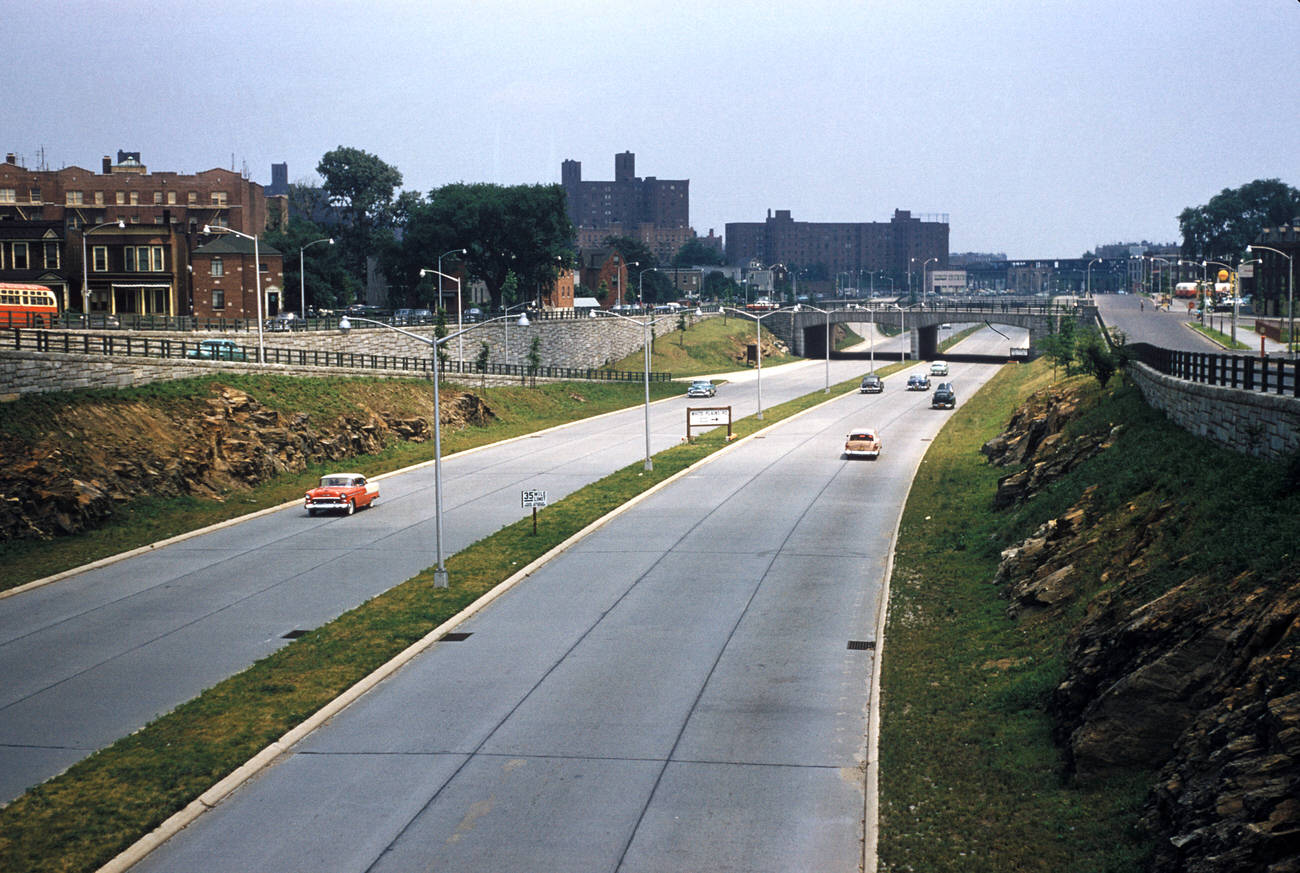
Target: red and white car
341,492
863,442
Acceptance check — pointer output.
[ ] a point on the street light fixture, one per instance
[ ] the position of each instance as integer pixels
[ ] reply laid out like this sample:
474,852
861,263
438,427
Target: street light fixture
1290,293
440,577
1150,286
460,349
85,279
257,276
1090,263
758,348
302,276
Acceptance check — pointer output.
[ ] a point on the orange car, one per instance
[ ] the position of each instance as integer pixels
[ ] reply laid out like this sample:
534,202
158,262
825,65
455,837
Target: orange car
862,443
341,492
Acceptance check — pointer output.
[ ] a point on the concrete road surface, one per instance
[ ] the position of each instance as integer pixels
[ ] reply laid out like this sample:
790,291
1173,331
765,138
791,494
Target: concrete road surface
684,690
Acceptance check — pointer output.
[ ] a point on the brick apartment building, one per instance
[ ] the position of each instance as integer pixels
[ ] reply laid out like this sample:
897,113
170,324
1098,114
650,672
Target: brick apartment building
895,247
654,211
138,230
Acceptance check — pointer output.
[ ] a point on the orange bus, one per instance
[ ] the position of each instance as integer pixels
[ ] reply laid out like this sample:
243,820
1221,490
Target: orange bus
24,305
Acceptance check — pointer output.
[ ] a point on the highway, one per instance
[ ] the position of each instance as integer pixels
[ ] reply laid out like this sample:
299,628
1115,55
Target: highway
686,689
90,659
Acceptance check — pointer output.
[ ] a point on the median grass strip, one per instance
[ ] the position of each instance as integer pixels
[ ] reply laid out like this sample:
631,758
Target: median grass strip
82,818
970,778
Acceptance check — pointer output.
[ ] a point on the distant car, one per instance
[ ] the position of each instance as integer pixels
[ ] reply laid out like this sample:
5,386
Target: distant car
283,321
871,384
341,492
412,316
939,368
918,383
944,396
217,350
472,315
862,443
701,388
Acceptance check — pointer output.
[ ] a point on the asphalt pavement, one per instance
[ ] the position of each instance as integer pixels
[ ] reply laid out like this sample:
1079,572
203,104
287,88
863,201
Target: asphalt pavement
685,689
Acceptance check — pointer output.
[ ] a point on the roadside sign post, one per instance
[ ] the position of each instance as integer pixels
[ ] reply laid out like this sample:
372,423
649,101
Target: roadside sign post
707,416
532,499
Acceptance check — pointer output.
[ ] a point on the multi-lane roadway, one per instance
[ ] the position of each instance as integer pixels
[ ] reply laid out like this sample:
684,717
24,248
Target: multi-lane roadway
633,656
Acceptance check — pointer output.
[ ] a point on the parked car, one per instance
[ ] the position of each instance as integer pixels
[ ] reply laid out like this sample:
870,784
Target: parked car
472,315
217,350
939,368
701,388
283,321
862,443
871,384
412,316
341,492
918,383
944,396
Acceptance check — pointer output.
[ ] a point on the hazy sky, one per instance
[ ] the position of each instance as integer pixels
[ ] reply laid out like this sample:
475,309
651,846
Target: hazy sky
1040,128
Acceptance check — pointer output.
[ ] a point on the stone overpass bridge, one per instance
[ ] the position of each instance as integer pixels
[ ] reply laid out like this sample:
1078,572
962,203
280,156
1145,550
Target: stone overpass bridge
804,329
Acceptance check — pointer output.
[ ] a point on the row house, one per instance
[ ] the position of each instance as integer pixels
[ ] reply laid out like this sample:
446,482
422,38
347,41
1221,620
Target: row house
120,240
602,273
227,277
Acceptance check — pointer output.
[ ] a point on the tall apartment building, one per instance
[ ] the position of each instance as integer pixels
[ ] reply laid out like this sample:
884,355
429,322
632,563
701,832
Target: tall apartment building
137,230
904,243
654,211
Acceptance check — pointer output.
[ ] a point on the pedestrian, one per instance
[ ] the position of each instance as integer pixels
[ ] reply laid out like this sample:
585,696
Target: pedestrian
1142,306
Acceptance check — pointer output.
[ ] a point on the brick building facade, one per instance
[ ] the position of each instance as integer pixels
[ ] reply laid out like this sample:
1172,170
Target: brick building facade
655,211
137,229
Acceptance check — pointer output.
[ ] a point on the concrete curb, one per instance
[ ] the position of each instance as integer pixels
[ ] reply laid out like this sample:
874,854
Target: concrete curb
137,851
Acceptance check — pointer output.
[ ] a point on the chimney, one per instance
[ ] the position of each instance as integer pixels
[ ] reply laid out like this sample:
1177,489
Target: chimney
11,158
108,165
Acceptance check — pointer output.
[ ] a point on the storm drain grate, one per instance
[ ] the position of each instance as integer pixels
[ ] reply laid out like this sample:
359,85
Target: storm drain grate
294,634
861,645
454,637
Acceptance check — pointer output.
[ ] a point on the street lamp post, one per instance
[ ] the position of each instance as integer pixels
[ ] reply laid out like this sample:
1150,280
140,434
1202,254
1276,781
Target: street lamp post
460,348
924,286
1290,293
758,349
1236,295
440,577
827,317
85,277
646,322
1154,290
257,276
302,276
1090,263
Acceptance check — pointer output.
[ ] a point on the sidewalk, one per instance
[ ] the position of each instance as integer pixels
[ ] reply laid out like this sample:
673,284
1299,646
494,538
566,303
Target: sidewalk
1246,334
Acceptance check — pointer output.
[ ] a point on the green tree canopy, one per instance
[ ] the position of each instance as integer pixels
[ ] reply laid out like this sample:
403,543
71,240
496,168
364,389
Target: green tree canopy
1234,217
695,253
522,229
362,187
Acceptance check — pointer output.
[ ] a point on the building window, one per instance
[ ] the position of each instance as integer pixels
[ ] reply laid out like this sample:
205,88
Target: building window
218,298
51,256
135,198
144,259
218,268
218,198
121,198
99,259
157,198
34,195
171,198
18,256
192,198
8,195
73,198
99,198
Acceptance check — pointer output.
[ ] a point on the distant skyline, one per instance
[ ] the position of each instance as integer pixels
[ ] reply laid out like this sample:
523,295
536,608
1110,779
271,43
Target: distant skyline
1042,129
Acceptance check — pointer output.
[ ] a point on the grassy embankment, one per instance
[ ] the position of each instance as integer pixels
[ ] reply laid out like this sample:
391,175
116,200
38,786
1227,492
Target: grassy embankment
83,817
1220,337
970,777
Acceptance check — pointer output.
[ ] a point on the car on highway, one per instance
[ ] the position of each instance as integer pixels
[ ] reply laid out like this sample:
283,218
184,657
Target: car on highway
944,396
918,383
871,384
939,368
217,350
863,442
341,492
701,388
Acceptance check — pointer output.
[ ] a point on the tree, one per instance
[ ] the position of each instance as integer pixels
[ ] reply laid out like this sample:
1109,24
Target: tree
481,362
1059,345
361,187
534,358
1095,356
329,285
1234,217
695,253
681,330
522,230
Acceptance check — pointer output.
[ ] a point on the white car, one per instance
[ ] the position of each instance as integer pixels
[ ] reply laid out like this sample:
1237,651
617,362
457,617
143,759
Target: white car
863,442
939,368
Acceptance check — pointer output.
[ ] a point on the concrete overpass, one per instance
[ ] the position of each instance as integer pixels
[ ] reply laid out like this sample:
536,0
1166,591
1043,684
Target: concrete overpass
804,329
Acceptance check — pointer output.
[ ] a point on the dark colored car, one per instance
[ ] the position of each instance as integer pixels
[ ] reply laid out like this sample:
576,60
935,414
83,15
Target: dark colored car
918,383
871,384
218,350
944,396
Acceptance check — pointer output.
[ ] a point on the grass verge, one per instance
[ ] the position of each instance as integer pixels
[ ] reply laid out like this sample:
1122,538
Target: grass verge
1219,337
711,345
82,818
970,778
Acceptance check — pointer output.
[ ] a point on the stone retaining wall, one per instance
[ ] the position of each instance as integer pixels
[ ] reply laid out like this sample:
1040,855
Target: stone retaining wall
572,343
1263,425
